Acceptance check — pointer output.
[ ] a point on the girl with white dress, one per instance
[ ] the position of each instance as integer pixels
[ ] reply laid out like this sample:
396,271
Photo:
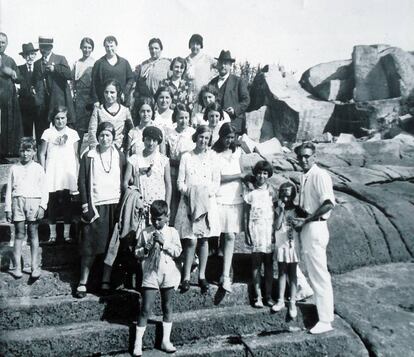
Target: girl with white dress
198,181
58,155
260,230
229,196
163,113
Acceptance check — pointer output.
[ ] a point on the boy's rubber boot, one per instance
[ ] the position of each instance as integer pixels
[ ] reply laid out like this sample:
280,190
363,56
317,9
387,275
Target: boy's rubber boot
166,344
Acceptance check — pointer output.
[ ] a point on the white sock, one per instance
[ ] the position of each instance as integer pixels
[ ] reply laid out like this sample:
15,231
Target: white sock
166,332
138,340
66,230
52,228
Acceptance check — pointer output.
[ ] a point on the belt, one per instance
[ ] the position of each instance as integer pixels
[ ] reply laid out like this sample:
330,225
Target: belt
320,219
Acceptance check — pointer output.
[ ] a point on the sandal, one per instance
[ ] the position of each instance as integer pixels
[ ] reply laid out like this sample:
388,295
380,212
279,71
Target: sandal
80,291
16,273
258,303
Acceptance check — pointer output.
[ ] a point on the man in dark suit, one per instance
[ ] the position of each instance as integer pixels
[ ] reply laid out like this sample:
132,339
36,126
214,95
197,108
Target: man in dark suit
26,93
50,80
233,93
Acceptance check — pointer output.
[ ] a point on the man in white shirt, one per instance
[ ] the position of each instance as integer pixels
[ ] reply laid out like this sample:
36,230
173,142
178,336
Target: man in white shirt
316,200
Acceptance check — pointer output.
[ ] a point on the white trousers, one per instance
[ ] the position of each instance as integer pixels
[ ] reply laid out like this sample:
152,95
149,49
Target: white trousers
315,238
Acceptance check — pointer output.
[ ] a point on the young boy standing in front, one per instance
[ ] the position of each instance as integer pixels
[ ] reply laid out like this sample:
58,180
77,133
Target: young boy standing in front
26,202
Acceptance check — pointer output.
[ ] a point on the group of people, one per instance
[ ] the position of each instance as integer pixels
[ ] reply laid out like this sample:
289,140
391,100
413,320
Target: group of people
166,168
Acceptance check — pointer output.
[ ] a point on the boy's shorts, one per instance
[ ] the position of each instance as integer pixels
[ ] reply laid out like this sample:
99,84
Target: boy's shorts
167,277
25,209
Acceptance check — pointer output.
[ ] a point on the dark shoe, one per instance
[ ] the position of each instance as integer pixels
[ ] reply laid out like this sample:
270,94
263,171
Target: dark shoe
204,285
185,286
16,273
105,288
80,291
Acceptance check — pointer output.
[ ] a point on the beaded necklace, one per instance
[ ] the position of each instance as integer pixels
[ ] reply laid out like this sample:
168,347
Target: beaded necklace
110,162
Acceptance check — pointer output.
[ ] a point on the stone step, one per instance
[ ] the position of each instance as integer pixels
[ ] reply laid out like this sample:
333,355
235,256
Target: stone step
95,337
298,343
27,312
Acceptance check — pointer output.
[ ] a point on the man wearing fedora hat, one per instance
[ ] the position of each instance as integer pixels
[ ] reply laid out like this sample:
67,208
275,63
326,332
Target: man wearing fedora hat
10,119
26,93
233,93
51,74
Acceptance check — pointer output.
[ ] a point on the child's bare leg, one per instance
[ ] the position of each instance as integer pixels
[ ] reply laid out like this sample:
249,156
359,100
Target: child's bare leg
166,303
282,272
228,249
148,299
189,250
256,265
33,233
268,275
291,270
203,257
17,251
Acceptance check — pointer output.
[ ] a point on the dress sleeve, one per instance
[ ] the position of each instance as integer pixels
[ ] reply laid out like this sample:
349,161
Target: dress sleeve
182,171
93,126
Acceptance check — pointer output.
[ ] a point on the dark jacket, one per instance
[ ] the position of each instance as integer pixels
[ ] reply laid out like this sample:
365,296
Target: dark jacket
26,95
85,187
234,93
52,88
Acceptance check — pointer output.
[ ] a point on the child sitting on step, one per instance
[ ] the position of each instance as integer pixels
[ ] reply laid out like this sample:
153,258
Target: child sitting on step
286,240
158,245
259,233
26,202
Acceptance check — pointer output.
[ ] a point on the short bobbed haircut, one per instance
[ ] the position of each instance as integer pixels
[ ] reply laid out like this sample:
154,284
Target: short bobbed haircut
160,90
27,142
179,60
208,88
213,107
286,186
226,129
56,110
156,40
105,125
138,105
87,40
158,208
305,145
179,107
263,165
110,38
117,85
196,38
153,133
201,129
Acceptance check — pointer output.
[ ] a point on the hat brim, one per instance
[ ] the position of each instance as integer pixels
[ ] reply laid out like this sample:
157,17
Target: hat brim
232,60
23,53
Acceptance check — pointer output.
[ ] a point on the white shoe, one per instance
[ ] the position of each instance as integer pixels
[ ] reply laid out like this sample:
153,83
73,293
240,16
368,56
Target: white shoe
280,305
227,284
293,311
168,347
258,303
321,327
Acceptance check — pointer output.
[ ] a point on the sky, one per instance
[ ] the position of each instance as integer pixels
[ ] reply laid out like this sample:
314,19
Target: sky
295,33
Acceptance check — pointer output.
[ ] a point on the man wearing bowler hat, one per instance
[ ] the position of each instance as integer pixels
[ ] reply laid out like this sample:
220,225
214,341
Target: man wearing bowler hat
50,80
233,93
26,93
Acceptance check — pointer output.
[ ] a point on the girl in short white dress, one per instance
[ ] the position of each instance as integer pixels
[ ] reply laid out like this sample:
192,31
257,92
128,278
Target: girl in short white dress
229,196
58,155
260,230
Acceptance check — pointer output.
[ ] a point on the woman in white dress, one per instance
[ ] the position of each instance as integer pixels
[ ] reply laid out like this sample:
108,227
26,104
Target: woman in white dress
198,181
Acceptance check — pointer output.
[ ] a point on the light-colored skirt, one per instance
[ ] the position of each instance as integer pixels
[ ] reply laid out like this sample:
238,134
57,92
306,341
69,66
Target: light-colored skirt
231,218
285,252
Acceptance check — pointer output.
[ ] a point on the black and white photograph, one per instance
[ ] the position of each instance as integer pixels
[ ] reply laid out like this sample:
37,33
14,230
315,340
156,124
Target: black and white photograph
206,178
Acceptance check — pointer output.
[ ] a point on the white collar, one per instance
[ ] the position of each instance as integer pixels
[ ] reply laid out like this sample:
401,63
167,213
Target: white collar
48,57
223,79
